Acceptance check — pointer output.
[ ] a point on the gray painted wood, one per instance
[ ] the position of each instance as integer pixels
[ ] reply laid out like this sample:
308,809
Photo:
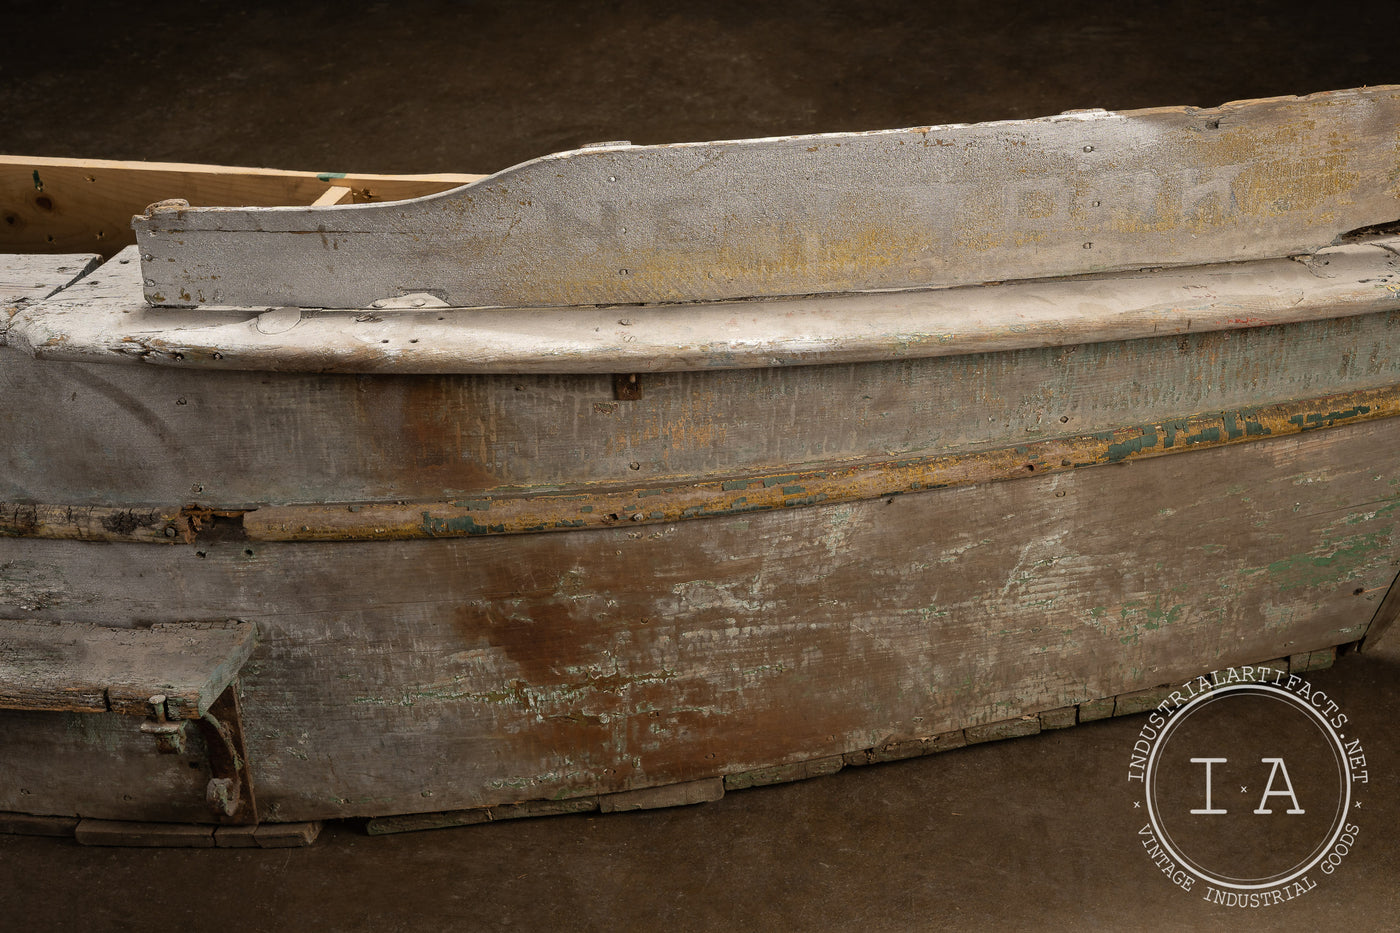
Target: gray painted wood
402,677
26,280
107,320
63,666
928,206
159,436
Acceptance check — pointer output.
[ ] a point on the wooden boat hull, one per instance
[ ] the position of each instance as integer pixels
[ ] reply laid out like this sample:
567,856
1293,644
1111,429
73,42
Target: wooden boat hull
493,669
430,565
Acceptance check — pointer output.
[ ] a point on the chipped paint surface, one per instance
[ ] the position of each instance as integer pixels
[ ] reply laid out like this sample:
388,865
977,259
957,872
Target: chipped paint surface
920,207
575,509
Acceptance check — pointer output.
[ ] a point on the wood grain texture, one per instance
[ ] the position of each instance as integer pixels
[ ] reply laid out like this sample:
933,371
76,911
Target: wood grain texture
85,765
400,677
86,205
111,322
89,434
928,206
28,280
69,667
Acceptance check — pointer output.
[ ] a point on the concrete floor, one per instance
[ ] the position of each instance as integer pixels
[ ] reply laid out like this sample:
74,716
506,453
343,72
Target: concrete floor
1036,832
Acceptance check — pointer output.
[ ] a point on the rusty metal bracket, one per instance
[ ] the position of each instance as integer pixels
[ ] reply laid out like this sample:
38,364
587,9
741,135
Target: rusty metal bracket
230,789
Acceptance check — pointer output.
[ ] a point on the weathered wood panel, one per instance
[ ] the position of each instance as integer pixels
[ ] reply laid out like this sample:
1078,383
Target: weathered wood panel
68,667
27,280
929,206
108,321
80,764
434,675
86,205
90,434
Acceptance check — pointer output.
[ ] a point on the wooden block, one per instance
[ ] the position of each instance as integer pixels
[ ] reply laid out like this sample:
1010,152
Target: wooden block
286,835
1140,701
415,822
236,837
1061,718
122,833
1005,729
516,811
670,795
335,194
781,774
78,667
1096,709
22,824
1312,660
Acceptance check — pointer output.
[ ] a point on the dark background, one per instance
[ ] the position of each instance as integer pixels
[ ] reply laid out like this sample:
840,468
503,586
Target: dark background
1036,832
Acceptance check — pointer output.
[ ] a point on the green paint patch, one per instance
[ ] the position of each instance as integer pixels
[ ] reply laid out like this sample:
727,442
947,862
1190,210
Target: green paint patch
1346,560
38,185
433,526
1307,422
735,484
476,505
1122,450
327,176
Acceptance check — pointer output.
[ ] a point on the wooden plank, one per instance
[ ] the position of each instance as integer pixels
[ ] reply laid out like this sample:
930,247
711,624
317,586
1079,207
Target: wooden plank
335,194
491,671
235,837
78,764
130,833
1005,729
287,835
28,280
22,824
86,205
79,667
1062,718
112,322
668,795
780,774
436,438
900,749
927,206
1101,708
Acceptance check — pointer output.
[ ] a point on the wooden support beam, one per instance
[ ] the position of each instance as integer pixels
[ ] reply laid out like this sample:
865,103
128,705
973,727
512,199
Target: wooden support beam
82,668
86,205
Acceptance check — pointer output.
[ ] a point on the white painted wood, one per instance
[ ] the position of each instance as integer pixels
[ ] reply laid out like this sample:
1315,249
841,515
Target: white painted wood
27,279
928,206
106,320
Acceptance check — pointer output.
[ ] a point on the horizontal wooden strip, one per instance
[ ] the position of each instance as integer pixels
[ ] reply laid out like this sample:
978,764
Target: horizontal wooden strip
77,667
579,508
931,206
105,319
507,514
86,205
